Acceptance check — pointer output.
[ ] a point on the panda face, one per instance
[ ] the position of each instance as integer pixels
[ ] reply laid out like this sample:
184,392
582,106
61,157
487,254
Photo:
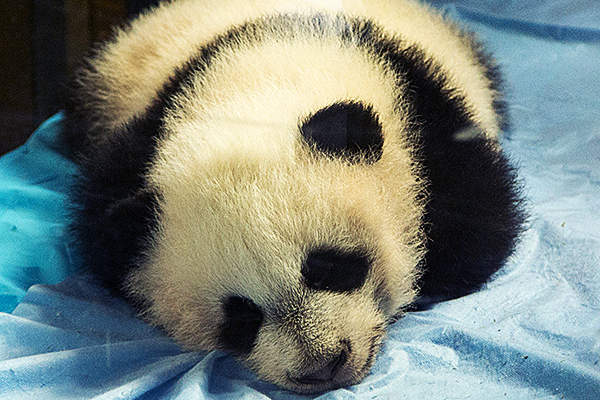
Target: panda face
307,343
289,267
315,344
295,261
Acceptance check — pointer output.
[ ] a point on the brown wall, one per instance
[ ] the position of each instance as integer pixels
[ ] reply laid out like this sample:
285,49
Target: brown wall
40,42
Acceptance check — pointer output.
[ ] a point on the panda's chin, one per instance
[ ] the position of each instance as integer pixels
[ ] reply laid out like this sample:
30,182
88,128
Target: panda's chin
318,387
345,377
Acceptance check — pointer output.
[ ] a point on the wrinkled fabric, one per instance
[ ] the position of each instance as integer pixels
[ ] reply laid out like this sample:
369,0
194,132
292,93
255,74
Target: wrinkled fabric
532,333
34,181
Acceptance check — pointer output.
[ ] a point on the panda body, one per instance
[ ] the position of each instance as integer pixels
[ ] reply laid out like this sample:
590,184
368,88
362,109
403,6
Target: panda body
281,179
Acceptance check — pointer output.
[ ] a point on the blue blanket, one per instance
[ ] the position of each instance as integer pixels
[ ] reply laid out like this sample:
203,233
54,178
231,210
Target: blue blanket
532,333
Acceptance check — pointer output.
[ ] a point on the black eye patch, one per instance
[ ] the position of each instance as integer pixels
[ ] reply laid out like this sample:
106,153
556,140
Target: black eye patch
239,329
346,130
335,270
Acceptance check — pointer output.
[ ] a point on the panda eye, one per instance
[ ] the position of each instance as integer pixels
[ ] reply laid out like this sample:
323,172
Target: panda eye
335,270
239,329
345,130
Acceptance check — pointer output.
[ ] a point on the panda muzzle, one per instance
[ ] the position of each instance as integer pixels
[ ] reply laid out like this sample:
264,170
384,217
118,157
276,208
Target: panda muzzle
327,373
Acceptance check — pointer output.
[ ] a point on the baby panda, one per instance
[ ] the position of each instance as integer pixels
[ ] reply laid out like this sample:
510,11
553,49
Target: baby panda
282,180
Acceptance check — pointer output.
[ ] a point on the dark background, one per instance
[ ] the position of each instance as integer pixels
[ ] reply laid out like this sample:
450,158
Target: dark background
40,43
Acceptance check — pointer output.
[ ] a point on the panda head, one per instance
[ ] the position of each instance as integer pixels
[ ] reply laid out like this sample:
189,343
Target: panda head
280,170
294,261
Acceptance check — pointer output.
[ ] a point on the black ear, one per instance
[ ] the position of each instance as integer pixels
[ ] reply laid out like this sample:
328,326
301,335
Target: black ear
347,130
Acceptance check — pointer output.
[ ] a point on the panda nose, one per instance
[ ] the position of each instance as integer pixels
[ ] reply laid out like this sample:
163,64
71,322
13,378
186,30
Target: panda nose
327,372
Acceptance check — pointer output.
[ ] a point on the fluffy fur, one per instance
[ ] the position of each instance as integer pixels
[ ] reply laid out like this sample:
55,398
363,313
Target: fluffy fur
279,179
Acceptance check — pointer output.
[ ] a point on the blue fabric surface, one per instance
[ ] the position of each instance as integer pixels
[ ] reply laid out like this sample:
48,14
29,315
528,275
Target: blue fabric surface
33,183
532,333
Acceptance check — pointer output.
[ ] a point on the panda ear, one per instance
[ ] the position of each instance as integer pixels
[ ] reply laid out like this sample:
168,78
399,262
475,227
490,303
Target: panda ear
346,130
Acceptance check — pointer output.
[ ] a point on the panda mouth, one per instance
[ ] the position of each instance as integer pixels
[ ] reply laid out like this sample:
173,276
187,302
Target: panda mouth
337,373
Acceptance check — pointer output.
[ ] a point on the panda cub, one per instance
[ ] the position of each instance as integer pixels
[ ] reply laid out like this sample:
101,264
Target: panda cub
283,179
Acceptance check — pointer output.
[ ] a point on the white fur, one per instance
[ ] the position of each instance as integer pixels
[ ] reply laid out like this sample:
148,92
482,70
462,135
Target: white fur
140,58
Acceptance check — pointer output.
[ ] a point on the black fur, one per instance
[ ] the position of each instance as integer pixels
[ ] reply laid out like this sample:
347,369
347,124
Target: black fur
348,130
473,213
240,328
114,211
473,216
335,270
